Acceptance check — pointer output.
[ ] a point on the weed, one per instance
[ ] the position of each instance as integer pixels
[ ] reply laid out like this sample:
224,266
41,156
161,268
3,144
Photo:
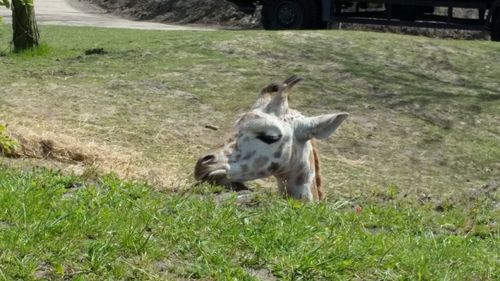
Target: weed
7,143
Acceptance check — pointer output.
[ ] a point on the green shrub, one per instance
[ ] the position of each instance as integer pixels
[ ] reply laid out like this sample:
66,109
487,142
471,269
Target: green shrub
7,143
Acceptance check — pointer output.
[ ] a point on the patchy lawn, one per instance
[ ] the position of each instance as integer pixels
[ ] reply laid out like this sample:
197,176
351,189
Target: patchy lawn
424,112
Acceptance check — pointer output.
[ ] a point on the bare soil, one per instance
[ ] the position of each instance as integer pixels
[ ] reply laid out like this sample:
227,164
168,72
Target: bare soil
206,12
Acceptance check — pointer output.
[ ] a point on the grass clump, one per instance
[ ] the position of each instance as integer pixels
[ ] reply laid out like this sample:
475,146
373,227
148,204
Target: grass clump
7,143
42,50
64,227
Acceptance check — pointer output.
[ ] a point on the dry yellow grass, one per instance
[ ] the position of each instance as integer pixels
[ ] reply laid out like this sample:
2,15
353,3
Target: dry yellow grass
41,146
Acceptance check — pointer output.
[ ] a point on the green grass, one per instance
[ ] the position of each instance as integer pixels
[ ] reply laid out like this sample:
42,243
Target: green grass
66,227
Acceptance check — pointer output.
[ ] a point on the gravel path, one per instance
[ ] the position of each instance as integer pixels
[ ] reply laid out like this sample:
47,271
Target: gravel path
75,13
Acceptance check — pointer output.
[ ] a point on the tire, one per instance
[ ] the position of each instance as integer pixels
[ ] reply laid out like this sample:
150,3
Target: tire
290,14
495,26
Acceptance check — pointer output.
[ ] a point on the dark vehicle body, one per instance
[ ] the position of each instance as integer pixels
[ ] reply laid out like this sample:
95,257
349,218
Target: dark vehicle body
312,14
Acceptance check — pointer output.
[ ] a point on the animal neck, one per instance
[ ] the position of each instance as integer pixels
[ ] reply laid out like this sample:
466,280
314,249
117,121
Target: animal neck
303,179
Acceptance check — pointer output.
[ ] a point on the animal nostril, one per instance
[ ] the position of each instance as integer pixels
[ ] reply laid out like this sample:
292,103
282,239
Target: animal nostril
207,158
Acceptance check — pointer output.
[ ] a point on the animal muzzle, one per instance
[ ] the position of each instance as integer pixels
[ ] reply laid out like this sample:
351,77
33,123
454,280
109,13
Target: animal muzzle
209,169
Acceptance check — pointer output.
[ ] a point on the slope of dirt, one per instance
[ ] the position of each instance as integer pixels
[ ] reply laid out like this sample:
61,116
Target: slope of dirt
226,14
207,12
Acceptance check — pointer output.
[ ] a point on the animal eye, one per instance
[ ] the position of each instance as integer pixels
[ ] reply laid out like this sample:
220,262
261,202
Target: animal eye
269,138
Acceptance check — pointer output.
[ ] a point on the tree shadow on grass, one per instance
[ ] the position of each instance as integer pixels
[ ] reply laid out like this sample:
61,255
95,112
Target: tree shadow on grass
417,87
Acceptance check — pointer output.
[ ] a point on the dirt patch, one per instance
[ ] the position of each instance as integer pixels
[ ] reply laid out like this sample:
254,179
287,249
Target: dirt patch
206,12
262,274
95,51
44,271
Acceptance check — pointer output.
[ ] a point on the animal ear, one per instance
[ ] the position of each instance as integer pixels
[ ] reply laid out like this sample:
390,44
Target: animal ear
265,95
279,102
319,127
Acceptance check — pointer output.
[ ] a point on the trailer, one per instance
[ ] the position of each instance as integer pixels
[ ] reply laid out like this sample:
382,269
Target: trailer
316,14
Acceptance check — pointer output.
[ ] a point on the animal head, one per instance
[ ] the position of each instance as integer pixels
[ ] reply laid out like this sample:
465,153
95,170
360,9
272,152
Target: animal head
272,140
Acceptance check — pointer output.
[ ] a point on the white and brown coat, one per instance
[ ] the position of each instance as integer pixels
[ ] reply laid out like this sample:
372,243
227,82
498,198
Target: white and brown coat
273,140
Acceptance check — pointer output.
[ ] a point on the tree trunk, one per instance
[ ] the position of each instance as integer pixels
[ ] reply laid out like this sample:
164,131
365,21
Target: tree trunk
24,25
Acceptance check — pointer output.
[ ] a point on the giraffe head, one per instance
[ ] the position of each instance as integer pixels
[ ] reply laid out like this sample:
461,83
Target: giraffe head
272,140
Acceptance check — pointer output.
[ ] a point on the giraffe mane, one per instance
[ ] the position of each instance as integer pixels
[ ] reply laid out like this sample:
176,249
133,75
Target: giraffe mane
318,182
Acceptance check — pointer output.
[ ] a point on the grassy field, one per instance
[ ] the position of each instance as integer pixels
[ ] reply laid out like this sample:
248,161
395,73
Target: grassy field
420,155
67,227
424,112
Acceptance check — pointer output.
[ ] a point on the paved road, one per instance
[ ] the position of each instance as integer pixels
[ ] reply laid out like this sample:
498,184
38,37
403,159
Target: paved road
74,13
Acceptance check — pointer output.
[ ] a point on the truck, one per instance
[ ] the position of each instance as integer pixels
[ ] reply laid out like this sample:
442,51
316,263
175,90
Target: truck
316,14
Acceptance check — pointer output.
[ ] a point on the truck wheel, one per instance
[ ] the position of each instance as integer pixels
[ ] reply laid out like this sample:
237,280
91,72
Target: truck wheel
495,26
289,14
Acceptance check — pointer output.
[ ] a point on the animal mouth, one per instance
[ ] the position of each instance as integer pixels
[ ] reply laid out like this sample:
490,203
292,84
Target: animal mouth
219,177
217,173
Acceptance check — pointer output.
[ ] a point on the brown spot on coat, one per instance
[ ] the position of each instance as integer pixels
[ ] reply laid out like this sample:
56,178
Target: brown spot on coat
301,179
237,157
260,162
278,153
249,155
273,167
244,168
